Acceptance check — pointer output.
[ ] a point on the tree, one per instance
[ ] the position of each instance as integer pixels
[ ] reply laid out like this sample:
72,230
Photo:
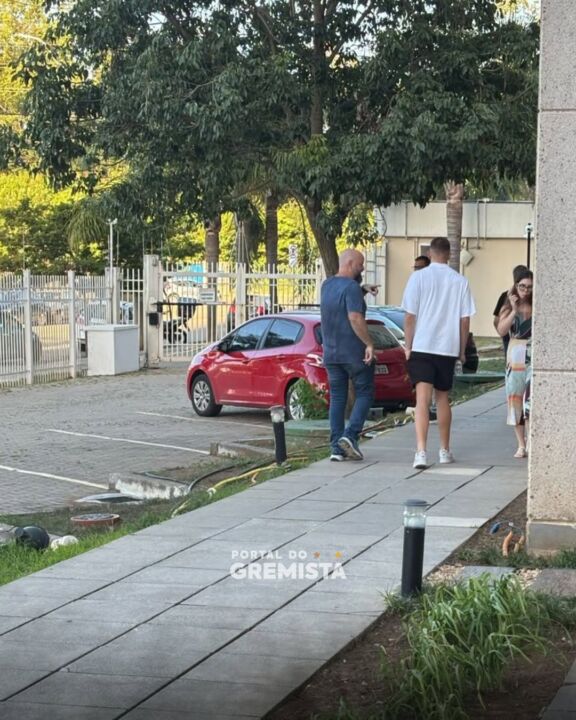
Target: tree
333,102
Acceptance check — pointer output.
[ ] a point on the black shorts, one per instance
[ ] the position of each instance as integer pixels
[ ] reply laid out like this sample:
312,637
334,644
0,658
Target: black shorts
438,370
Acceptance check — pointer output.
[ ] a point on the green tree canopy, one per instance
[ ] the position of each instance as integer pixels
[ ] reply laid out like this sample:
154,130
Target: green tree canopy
333,102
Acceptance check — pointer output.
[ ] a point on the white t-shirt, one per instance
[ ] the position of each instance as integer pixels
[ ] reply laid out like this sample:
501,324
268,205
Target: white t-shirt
439,297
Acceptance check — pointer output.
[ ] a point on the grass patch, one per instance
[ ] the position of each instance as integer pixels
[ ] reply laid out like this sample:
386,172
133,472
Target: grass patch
565,559
461,639
18,560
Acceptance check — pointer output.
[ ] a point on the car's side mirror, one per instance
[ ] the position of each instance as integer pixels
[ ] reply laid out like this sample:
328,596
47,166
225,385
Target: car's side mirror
224,346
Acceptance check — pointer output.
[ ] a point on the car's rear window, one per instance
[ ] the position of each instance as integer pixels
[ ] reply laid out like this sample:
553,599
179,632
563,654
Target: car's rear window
382,337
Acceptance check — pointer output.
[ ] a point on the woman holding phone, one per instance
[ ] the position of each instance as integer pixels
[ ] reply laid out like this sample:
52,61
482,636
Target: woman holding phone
516,319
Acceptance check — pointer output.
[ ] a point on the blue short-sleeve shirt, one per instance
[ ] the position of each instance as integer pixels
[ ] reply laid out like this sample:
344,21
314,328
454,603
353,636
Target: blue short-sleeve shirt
338,297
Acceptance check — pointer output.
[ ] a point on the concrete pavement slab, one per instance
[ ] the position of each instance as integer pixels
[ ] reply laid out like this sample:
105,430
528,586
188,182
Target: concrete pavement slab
38,655
209,697
155,593
211,616
261,669
38,711
9,623
144,714
114,659
13,680
286,620
89,690
162,575
310,510
52,630
38,586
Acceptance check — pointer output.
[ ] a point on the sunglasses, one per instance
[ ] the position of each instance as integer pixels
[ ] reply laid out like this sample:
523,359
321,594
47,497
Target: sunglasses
524,287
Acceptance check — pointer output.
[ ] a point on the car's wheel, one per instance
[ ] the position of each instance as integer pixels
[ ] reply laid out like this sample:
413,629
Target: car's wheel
294,406
203,397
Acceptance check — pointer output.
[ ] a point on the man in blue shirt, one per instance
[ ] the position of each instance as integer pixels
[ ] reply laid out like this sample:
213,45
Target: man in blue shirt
348,353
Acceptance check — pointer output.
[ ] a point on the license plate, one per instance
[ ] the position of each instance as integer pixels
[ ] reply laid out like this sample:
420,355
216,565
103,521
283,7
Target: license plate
381,369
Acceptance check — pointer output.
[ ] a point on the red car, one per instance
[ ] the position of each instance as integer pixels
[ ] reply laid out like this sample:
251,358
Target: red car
258,364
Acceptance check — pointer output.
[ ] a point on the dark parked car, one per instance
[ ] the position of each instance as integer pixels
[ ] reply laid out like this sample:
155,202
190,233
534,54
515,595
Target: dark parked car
259,363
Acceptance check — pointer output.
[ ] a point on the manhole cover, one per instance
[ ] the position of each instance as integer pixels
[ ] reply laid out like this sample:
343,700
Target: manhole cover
96,520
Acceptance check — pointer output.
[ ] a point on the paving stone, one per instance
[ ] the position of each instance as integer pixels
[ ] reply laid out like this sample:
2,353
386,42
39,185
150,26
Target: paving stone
143,714
559,715
210,616
162,575
115,659
37,585
571,677
475,571
213,698
9,623
243,597
290,644
168,638
62,631
154,593
38,655
12,680
130,612
310,510
555,582
89,690
565,699
261,669
465,522
366,603
38,711
285,620
25,606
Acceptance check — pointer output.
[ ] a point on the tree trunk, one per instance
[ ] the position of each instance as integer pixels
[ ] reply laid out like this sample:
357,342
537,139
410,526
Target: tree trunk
212,250
326,244
454,210
271,236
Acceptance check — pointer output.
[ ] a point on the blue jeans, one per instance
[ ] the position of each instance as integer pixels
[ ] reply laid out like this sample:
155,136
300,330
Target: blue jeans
362,377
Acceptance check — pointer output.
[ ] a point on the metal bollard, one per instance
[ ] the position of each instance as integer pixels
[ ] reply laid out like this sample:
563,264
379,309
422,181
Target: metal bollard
413,552
278,416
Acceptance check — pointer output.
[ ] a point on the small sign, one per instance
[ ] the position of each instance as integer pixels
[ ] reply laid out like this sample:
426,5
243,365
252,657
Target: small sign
207,295
292,255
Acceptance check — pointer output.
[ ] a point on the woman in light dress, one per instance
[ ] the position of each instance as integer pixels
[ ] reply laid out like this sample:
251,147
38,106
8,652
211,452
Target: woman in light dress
516,318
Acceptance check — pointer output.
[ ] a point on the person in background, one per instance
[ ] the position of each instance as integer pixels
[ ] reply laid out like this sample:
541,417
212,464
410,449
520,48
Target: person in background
515,320
348,353
516,273
438,306
421,262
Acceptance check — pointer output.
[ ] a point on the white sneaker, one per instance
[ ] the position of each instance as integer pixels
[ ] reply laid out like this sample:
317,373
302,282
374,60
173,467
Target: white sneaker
445,457
420,460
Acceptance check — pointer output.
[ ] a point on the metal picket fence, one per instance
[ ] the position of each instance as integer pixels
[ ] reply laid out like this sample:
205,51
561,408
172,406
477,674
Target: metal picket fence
44,321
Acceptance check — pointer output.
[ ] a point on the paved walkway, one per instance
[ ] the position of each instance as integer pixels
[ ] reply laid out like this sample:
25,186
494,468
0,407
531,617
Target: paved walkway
153,626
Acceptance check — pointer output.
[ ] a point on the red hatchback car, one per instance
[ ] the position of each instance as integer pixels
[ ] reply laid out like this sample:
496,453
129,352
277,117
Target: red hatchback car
258,364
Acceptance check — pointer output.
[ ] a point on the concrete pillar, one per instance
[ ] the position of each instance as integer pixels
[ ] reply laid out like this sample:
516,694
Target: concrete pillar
552,461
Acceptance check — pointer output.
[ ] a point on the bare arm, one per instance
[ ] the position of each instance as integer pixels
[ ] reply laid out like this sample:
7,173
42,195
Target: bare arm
507,315
464,332
360,327
409,329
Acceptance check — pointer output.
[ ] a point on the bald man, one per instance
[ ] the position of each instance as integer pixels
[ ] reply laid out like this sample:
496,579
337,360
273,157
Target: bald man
348,354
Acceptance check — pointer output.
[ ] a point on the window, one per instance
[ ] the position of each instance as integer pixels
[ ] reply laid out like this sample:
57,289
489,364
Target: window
282,333
248,336
382,337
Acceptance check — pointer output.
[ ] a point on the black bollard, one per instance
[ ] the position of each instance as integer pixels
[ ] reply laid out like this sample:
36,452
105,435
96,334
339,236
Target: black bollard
277,414
413,552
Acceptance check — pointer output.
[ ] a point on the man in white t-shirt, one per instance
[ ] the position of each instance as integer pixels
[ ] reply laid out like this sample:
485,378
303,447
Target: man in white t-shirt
438,306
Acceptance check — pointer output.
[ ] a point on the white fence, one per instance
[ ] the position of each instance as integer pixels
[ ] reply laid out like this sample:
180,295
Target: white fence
189,307
44,318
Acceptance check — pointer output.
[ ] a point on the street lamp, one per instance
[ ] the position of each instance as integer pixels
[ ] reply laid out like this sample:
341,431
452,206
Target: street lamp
111,223
413,552
278,416
528,236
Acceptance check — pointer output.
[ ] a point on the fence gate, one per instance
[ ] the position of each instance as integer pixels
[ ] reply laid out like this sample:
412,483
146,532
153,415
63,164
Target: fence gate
187,308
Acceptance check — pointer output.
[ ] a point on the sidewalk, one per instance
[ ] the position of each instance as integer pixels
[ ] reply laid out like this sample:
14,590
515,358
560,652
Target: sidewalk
153,626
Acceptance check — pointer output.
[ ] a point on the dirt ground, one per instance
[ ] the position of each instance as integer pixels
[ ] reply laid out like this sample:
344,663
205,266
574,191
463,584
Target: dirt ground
355,678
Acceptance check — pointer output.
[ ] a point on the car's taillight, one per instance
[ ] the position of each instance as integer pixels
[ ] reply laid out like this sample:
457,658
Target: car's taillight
315,359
